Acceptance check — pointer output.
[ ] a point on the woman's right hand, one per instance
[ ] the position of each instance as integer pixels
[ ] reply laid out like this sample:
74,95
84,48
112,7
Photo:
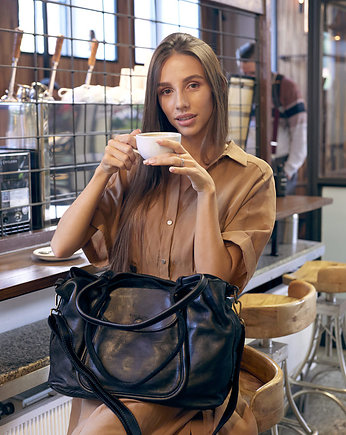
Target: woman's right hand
119,153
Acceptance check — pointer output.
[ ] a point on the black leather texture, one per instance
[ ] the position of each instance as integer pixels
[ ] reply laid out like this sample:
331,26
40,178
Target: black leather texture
177,343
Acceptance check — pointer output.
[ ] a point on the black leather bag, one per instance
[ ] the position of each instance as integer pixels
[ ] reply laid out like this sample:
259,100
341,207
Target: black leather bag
138,336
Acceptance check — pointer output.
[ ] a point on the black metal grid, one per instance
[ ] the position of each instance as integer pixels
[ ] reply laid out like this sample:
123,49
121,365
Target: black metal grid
66,140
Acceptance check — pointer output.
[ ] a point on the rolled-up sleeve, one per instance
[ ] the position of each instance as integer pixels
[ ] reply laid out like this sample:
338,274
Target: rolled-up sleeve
247,231
105,221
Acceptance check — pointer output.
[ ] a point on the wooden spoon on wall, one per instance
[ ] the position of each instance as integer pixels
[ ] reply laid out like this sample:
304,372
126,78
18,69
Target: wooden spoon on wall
55,63
18,36
92,60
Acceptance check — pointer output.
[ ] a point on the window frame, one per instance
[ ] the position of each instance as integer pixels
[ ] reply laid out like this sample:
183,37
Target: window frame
67,51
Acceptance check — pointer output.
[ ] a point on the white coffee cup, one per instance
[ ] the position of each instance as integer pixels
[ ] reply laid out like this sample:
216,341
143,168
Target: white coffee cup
76,95
147,143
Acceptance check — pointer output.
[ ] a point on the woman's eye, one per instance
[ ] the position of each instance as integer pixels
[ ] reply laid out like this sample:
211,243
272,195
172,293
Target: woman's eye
194,85
165,91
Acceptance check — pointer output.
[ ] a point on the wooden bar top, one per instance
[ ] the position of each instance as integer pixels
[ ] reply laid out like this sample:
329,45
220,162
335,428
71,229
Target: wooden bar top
291,204
21,272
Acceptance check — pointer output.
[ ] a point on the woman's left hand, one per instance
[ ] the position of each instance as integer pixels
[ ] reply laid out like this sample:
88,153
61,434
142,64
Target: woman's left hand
182,163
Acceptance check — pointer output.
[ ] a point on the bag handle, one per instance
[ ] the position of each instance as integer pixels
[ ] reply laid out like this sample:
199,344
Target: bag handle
59,326
182,303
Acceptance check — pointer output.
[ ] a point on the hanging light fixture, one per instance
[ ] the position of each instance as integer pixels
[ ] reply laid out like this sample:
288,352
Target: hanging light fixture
306,17
304,7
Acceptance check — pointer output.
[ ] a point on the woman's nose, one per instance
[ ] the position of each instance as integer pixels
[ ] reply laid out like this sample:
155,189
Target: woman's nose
181,100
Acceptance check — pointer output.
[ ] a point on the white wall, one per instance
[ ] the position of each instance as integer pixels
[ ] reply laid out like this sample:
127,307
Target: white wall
334,224
26,309
298,343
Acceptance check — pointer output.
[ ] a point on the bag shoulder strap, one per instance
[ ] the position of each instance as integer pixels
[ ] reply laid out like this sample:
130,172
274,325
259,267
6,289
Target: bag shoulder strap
127,419
233,399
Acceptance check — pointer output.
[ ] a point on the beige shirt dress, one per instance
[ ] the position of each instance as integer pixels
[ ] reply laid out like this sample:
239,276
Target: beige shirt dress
246,205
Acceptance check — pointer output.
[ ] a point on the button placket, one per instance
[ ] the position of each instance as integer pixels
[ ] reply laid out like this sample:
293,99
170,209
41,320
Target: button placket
169,220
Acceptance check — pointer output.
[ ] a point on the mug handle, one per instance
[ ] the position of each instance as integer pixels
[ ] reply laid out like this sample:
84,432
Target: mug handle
62,91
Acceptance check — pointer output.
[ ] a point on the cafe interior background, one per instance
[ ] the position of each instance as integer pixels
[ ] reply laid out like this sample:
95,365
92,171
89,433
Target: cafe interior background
72,73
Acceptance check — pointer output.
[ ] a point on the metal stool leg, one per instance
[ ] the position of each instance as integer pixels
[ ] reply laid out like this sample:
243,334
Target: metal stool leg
286,423
278,352
339,349
292,403
329,320
311,353
274,430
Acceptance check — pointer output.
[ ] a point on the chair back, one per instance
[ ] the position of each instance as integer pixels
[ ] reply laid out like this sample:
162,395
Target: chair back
270,316
261,385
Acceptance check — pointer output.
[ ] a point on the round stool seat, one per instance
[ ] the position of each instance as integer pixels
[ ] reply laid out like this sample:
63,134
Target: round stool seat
270,316
325,276
256,299
261,386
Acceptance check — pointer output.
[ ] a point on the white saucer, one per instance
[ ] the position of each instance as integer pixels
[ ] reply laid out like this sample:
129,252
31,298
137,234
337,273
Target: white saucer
46,253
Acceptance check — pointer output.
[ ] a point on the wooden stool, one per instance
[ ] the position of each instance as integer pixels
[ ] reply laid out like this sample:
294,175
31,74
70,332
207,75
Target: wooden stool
329,278
268,316
261,385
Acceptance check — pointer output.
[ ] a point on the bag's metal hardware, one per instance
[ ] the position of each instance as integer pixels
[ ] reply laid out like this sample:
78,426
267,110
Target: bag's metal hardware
108,275
56,309
237,308
232,291
58,282
57,300
236,303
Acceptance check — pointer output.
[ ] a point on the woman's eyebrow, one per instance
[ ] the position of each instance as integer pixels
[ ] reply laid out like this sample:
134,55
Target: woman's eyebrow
186,79
193,76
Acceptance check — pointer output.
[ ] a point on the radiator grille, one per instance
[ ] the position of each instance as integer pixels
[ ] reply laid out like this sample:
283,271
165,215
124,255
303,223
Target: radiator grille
49,419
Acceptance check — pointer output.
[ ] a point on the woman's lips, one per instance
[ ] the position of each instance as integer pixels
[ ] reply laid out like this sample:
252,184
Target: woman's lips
185,120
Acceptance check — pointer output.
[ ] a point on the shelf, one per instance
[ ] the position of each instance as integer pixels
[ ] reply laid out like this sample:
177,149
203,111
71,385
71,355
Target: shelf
290,257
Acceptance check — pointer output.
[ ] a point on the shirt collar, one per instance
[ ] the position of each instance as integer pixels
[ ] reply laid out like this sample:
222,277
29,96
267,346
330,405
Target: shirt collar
233,151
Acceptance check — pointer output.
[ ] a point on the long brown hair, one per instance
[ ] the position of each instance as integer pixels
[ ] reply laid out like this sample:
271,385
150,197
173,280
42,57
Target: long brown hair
149,181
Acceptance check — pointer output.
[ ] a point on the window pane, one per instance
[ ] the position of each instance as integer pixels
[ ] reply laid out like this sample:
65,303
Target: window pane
189,17
85,17
145,30
155,20
58,26
333,159
31,25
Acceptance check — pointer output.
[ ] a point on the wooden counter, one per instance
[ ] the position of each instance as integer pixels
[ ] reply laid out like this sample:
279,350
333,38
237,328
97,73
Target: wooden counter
21,272
294,204
288,205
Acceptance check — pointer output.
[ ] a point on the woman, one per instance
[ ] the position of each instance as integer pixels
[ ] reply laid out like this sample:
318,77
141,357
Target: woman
206,207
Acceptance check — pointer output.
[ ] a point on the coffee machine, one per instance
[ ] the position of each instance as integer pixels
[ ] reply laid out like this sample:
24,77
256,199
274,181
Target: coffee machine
22,133
15,192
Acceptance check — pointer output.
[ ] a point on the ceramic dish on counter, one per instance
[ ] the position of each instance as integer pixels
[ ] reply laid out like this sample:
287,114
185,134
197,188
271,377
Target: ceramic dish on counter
45,253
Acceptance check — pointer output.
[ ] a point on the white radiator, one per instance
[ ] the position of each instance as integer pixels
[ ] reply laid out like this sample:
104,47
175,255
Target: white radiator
49,419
